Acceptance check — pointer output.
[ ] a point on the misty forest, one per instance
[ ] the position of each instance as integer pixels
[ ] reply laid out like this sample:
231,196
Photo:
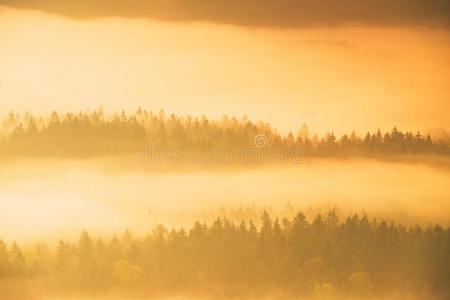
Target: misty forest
224,149
322,258
246,254
93,134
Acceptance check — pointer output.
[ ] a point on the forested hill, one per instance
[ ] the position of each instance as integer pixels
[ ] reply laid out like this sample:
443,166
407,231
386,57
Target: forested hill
322,257
90,134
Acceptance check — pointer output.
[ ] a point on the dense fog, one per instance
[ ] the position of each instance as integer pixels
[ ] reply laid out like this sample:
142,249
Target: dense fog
58,198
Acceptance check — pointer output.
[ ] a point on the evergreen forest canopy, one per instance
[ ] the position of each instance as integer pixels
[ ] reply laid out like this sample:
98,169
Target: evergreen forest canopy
91,134
322,257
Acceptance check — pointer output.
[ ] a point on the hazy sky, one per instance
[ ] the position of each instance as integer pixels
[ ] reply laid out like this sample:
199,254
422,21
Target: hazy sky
394,71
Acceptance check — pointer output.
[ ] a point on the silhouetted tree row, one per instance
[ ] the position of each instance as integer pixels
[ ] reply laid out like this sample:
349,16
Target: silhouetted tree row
94,134
323,257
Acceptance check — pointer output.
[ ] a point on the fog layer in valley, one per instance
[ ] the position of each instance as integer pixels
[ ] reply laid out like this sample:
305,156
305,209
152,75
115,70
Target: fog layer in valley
59,198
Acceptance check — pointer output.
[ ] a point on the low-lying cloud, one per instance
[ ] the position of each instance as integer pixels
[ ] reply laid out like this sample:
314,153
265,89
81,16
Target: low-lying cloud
277,13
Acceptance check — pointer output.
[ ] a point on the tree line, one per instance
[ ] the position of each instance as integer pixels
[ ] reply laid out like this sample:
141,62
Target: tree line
323,257
88,134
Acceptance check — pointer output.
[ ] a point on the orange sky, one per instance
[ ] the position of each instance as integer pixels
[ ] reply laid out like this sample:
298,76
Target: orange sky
339,78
